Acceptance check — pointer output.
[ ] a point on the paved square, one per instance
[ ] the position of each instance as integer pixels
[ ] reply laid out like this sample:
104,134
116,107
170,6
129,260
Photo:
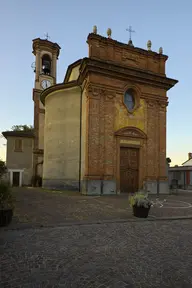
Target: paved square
133,254
37,208
57,248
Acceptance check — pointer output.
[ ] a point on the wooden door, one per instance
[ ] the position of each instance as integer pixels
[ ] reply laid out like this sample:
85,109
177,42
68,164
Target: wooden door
16,176
129,162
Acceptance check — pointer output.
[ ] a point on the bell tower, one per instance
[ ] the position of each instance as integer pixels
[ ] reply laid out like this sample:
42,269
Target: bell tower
45,65
45,68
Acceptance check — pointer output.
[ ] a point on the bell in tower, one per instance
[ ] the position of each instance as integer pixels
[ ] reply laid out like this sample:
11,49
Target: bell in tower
46,55
46,65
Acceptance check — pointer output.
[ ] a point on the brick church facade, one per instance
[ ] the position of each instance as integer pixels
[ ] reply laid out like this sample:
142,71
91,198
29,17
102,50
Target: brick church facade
120,130
103,130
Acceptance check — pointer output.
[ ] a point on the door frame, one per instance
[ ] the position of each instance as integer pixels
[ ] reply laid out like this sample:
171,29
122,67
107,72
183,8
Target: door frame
131,137
20,176
138,151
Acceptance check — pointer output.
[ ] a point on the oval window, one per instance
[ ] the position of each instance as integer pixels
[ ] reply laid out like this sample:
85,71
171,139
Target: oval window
129,100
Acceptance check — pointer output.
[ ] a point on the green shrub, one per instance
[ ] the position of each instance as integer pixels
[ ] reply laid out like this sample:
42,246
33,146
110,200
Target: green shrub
6,197
3,168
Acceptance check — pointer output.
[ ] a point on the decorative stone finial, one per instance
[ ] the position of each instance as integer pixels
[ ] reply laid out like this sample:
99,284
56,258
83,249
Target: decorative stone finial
95,29
149,44
160,50
109,32
130,43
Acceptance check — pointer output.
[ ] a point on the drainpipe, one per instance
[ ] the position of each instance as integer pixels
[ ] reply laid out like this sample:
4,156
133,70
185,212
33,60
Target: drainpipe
80,138
36,167
158,187
37,164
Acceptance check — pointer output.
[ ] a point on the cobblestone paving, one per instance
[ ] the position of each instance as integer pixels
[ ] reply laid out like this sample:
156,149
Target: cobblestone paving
37,208
133,254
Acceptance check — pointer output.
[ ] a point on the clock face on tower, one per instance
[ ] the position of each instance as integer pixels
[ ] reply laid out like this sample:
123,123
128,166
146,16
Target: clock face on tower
45,84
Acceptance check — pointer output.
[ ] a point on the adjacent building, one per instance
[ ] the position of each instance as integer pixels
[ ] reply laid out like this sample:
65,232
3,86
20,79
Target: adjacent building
19,157
181,176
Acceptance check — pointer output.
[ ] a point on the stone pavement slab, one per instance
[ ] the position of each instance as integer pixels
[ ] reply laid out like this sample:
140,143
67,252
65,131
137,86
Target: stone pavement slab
115,255
40,208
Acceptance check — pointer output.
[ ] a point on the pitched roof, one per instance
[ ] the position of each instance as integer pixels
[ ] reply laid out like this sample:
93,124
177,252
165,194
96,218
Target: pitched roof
187,163
24,134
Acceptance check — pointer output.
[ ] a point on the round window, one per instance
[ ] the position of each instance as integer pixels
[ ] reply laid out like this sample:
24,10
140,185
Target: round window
129,100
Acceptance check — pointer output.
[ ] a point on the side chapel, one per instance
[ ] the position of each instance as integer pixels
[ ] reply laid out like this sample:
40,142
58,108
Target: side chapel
103,129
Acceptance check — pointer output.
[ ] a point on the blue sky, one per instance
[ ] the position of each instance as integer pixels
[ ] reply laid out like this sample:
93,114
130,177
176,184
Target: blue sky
165,23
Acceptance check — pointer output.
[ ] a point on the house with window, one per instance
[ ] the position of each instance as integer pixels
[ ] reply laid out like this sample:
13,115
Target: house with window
19,160
181,176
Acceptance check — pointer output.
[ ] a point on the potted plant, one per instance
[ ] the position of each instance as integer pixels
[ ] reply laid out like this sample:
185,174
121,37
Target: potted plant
140,204
6,204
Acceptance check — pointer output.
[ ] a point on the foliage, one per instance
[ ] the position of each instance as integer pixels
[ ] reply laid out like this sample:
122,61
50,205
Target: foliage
140,199
22,128
168,160
3,168
6,197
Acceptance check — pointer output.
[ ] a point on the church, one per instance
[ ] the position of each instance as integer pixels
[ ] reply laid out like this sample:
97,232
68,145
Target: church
103,129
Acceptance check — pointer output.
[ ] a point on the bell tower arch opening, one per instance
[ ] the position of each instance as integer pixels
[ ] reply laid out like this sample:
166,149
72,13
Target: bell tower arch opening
46,64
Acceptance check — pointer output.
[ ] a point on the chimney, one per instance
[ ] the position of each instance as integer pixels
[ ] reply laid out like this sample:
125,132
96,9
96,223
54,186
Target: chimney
189,155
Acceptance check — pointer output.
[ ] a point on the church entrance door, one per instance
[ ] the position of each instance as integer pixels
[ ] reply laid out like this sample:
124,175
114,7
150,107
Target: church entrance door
129,169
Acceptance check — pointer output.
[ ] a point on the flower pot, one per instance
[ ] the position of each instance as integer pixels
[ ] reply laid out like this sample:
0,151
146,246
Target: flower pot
6,217
141,212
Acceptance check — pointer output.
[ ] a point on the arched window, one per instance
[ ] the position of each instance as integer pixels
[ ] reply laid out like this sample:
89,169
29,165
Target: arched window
129,100
46,64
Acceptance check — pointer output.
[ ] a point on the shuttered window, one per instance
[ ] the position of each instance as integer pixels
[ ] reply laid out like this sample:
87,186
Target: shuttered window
18,145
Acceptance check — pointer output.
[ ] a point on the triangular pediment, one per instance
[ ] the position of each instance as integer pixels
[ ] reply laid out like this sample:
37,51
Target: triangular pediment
131,132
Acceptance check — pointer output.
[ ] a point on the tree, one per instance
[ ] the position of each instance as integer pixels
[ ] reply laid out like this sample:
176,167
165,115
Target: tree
3,168
168,160
22,128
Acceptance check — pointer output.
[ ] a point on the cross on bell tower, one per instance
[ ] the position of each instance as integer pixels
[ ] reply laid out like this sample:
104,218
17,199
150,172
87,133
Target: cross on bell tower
47,37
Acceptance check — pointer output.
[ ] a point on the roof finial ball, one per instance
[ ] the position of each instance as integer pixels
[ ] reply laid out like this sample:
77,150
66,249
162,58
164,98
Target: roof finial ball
95,29
160,50
109,32
149,44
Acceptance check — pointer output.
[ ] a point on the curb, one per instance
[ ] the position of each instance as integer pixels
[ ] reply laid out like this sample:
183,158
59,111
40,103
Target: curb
24,226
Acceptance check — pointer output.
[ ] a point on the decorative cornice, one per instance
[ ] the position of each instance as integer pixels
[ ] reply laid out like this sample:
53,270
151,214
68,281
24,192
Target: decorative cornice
109,94
131,132
93,91
125,73
157,101
45,44
96,91
120,45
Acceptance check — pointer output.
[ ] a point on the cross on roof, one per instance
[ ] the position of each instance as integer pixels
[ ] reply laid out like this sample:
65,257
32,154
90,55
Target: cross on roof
130,31
47,37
